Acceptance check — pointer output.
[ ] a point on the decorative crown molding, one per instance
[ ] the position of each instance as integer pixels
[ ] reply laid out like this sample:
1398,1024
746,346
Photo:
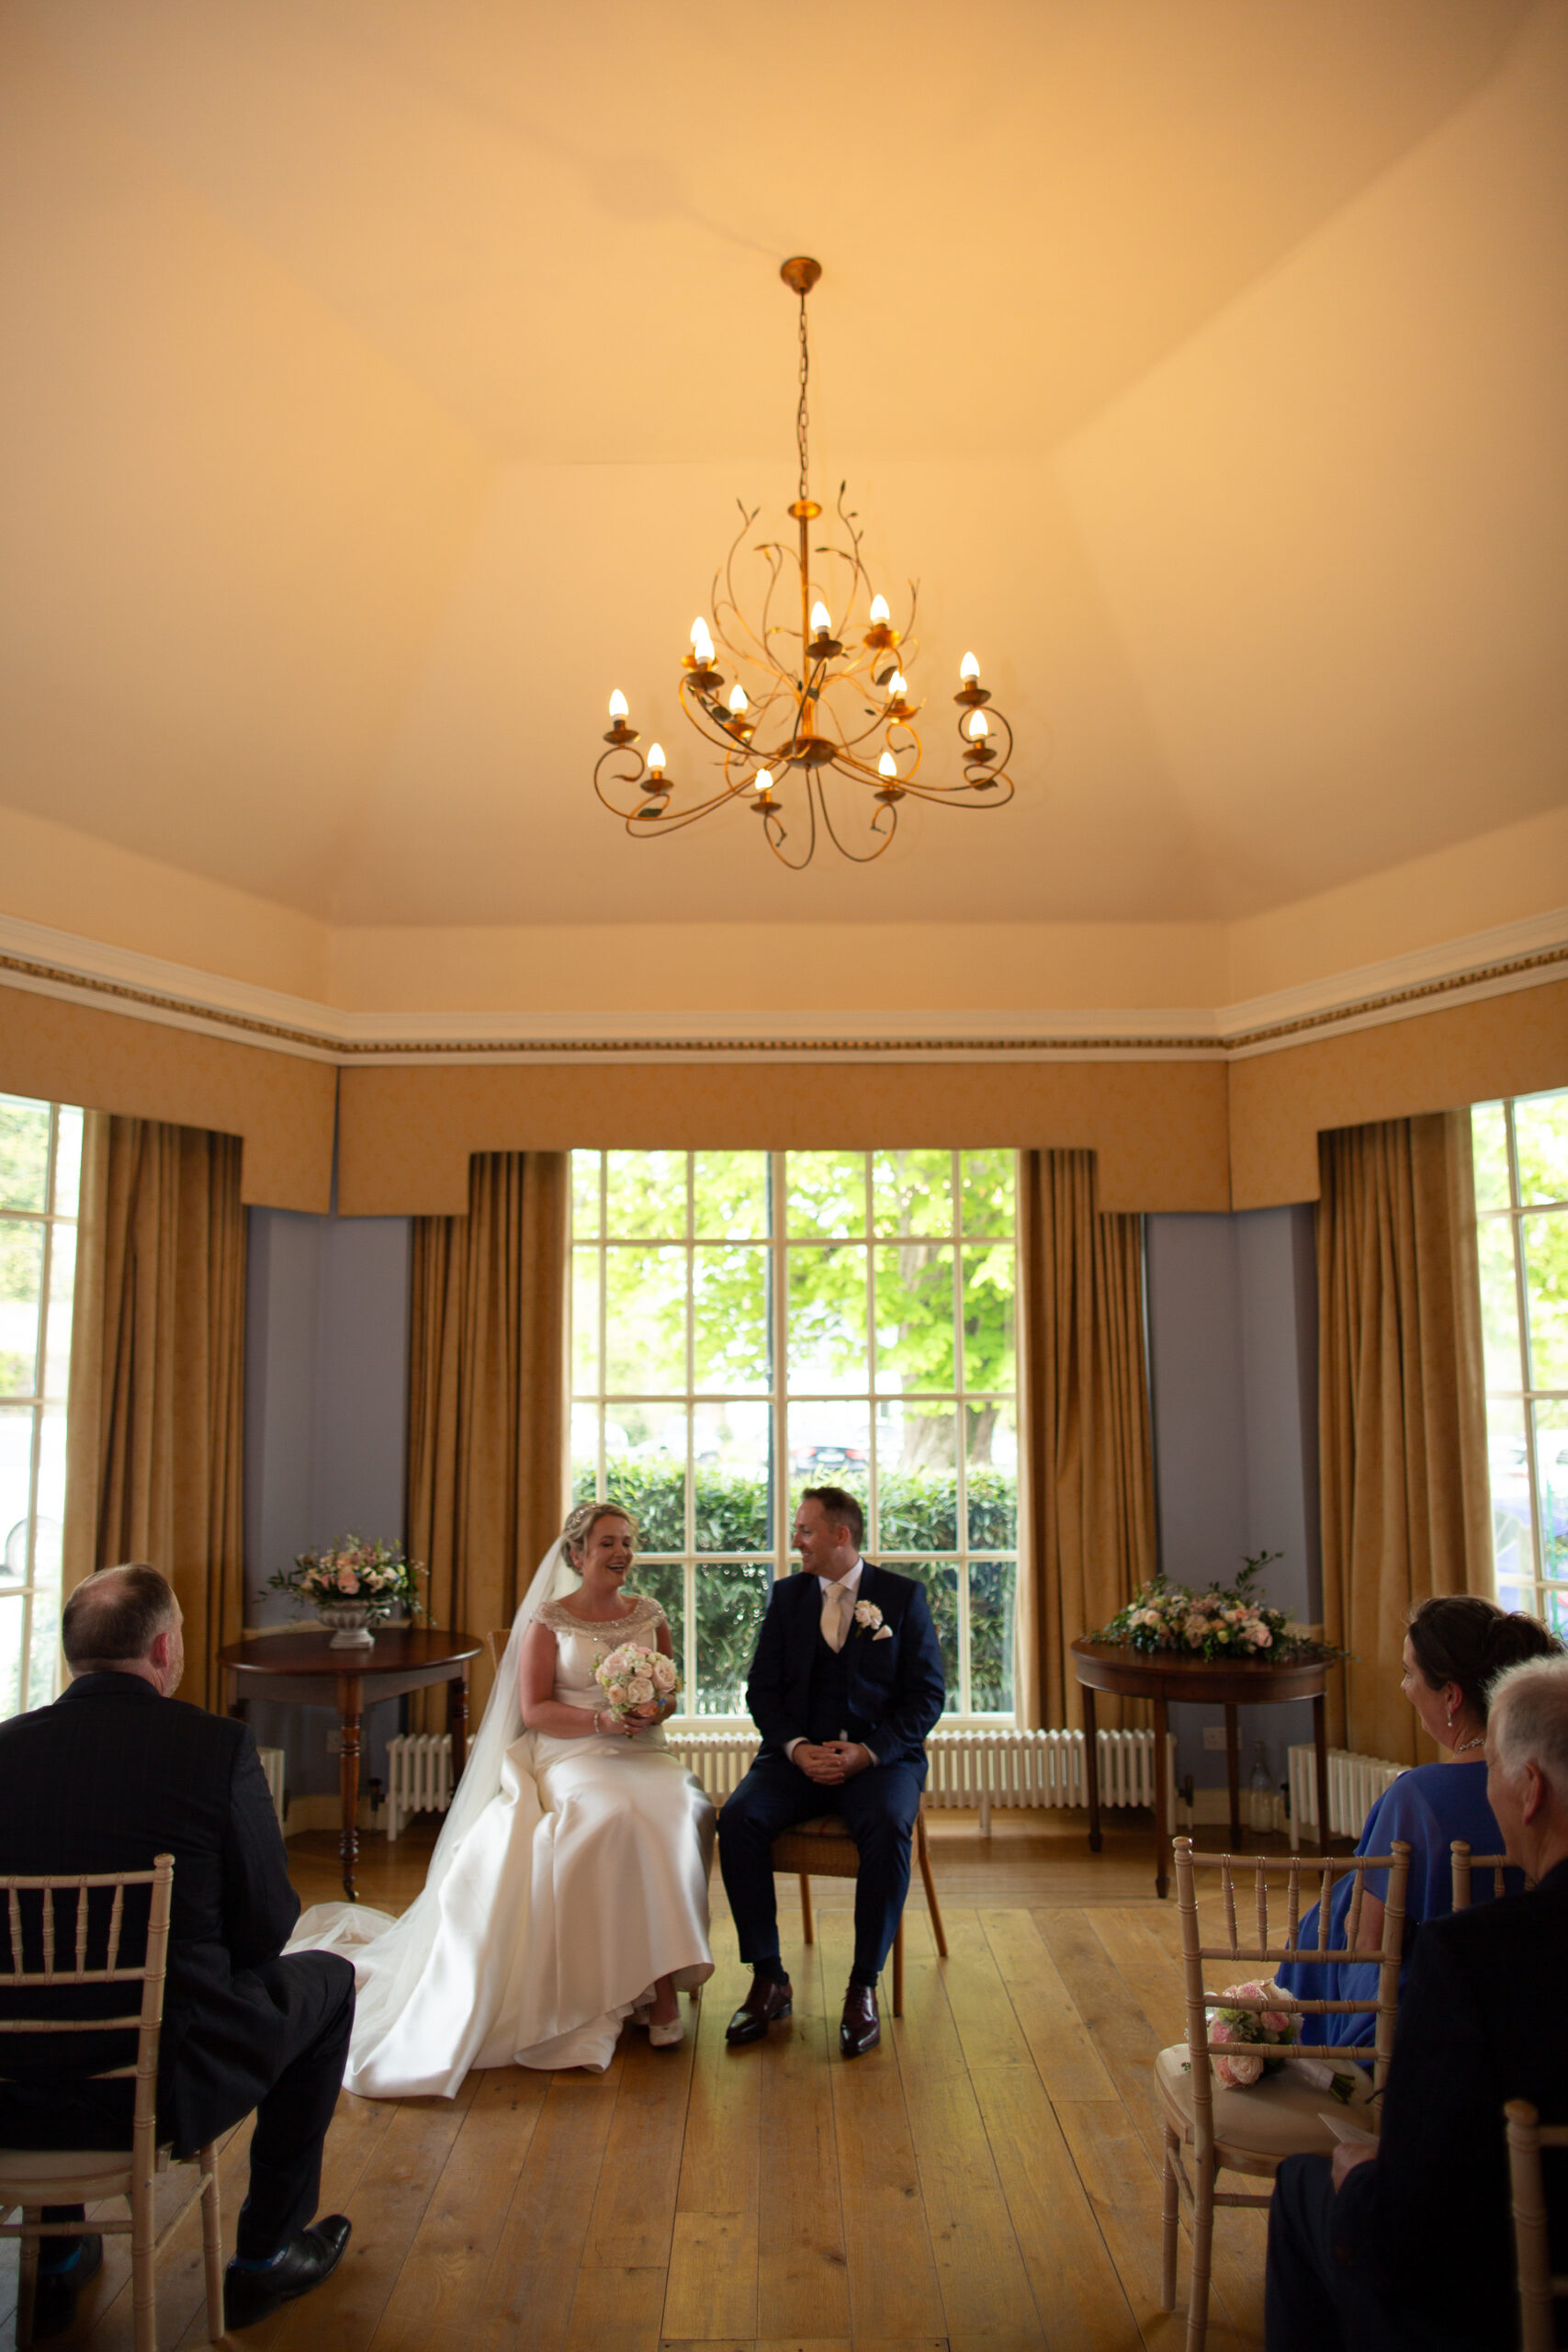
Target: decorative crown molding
1522,954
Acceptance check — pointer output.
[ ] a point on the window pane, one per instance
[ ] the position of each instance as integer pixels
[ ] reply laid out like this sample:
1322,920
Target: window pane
987,1182
827,1319
914,1317
917,1500
911,1192
24,1153
645,1322
941,1580
10,1656
585,1453
729,1317
1551,1478
665,1582
731,1599
21,1274
827,1192
1489,1146
651,1489
1554,1610
1545,1243
68,1160
585,1322
993,1477
16,1488
1499,1303
732,1488
730,1195
829,1445
1541,1139
62,1283
49,1537
585,1195
989,1277
992,1586
1513,1547
646,1194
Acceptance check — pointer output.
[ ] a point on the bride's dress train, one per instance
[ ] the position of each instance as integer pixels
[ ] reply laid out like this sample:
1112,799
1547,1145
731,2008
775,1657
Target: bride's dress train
551,1905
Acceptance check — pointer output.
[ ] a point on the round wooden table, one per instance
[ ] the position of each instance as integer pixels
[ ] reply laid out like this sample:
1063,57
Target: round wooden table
1166,1677
303,1670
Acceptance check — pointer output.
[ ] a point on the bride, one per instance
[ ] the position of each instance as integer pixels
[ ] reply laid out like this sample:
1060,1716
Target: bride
568,1887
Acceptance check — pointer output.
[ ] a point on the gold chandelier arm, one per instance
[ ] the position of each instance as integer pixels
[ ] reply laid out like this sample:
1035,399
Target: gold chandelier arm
888,809
775,836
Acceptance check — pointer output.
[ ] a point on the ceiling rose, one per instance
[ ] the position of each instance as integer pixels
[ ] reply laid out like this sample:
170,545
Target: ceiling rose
814,727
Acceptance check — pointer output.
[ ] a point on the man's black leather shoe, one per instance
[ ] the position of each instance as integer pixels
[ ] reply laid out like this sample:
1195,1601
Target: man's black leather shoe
54,2304
765,2001
860,2028
306,2260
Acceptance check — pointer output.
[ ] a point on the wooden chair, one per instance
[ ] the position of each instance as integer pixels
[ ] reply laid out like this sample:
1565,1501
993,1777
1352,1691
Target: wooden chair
822,1848
1465,1863
1252,2131
1532,2249
51,1943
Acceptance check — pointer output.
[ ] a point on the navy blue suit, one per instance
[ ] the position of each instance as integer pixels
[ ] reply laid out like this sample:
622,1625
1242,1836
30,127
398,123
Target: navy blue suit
884,1688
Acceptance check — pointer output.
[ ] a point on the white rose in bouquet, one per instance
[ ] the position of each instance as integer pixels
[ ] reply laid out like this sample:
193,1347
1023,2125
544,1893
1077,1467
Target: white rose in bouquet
639,1689
664,1672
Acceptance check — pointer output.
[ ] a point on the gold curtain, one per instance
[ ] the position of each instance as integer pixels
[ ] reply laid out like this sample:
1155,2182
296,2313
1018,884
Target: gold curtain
487,1428
1089,1457
155,1434
1401,1404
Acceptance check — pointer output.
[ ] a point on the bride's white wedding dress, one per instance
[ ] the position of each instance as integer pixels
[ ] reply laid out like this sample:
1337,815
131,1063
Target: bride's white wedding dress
569,1874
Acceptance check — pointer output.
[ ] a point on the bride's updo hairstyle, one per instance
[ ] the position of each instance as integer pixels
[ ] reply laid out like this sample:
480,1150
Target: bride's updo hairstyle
580,1523
1461,1637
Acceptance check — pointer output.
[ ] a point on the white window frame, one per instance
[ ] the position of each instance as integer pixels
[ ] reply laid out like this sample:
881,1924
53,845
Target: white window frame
780,1243
26,1594
1527,1395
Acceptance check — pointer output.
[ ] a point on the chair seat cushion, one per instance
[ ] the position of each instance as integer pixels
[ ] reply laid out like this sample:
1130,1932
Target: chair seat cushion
1280,2115
103,2172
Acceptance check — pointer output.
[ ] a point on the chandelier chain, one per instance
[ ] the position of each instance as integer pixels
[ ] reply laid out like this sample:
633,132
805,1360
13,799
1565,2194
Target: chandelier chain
801,419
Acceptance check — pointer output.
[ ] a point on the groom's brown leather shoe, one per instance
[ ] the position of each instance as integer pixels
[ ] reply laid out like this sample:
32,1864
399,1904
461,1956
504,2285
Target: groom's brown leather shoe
765,2001
860,2028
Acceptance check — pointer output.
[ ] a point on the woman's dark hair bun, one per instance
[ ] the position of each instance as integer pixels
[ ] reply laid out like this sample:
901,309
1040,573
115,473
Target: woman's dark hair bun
1463,1637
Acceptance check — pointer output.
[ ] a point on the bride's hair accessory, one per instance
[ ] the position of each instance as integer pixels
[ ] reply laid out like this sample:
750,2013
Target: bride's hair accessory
582,1521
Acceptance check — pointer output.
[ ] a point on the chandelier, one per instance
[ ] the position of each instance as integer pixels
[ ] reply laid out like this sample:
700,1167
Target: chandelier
814,727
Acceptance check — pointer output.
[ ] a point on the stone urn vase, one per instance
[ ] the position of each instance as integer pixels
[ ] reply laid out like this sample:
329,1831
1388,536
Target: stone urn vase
349,1620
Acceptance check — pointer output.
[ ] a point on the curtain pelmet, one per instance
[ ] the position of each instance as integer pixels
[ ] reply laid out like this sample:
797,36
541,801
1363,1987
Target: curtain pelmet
1401,1404
155,1433
1090,1517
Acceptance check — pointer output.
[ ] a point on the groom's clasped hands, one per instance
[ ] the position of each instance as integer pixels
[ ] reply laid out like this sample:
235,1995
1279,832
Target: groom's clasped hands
832,1762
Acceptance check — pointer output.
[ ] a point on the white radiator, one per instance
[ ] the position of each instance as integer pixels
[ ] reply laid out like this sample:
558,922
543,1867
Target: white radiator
969,1769
1355,1784
271,1765
419,1776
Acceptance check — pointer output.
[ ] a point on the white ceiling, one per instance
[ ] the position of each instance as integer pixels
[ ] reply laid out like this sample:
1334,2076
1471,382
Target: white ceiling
382,376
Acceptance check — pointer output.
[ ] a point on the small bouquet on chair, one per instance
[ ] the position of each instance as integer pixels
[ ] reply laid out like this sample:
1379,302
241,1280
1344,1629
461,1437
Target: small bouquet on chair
634,1677
1241,2039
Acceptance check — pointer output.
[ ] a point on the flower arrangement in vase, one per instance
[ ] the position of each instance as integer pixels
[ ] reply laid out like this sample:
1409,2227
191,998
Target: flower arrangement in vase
354,1586
1228,1622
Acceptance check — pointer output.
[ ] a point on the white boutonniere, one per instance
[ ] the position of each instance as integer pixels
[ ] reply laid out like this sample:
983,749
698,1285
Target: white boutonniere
867,1613
885,1635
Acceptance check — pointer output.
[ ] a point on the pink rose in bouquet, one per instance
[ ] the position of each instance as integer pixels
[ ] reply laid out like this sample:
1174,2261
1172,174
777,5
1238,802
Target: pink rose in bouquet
1249,2034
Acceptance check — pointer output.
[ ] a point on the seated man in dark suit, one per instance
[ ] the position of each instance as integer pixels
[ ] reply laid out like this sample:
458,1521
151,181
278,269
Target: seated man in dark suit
1410,2246
846,1682
112,1774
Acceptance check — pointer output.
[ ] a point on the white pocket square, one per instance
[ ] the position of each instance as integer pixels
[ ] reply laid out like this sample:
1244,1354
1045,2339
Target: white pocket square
883,1634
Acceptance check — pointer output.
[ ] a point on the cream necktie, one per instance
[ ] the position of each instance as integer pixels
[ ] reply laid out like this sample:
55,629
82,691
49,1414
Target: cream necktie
837,1602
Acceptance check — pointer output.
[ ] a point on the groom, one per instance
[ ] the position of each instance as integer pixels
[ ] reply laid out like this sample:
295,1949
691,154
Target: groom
846,1682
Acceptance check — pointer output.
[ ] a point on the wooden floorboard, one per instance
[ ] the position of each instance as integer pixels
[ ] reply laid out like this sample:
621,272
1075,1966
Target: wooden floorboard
985,2181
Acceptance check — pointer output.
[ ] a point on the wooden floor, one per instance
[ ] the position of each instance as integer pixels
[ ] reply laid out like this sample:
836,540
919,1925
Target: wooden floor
986,2180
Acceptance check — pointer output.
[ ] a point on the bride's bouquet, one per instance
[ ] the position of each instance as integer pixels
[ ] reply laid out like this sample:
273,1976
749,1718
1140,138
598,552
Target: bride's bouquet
1250,2034
634,1677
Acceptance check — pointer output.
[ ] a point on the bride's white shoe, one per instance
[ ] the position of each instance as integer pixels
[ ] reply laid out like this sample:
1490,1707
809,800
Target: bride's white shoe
666,2037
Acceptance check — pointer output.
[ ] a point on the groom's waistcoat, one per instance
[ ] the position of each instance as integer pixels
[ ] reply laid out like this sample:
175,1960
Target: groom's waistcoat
829,1691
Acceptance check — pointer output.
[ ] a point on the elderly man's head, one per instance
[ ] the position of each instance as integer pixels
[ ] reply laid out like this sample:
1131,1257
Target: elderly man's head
127,1621
1526,1761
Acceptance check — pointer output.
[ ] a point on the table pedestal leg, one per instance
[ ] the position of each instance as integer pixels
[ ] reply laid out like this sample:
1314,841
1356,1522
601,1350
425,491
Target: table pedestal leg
1091,1770
458,1722
1320,1741
1162,1821
349,1697
1232,1773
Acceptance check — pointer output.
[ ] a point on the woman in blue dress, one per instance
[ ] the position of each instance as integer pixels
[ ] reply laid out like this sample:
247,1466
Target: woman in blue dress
1453,1649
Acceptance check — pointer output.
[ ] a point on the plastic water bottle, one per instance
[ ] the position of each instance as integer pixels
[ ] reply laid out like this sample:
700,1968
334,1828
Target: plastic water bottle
1259,1794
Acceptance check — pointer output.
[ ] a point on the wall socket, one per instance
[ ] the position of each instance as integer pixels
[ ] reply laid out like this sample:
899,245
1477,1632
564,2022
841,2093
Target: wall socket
1214,1738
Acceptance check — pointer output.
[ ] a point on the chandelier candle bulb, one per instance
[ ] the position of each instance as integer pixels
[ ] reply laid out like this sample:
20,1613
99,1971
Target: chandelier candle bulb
656,759
978,729
888,765
898,686
620,707
821,620
969,671
702,643
880,615
737,699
